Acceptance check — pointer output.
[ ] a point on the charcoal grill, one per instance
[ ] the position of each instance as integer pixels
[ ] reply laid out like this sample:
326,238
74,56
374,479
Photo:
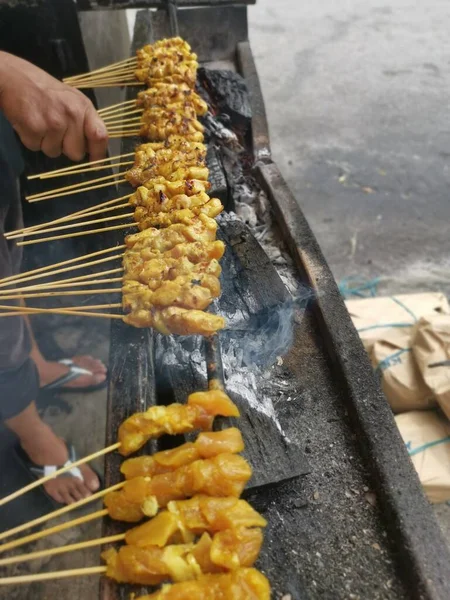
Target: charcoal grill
352,521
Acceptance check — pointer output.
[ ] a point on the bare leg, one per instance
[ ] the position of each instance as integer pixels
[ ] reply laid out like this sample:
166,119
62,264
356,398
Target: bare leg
44,447
50,370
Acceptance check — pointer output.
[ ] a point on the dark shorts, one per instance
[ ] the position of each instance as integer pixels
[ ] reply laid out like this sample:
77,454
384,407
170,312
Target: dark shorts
19,382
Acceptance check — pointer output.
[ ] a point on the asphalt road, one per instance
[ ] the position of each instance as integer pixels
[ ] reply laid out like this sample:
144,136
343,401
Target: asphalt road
357,96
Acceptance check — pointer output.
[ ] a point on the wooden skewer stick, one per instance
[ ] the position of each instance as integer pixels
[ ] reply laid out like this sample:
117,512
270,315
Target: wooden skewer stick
80,184
51,530
58,294
79,191
62,550
60,511
119,74
123,120
133,84
126,113
124,68
112,66
30,274
17,579
122,126
91,169
77,234
55,286
78,224
48,174
77,313
38,482
92,210
125,78
19,309
114,136
115,107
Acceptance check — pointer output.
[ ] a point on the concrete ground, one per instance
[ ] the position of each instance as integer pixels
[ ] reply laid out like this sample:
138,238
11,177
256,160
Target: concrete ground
357,101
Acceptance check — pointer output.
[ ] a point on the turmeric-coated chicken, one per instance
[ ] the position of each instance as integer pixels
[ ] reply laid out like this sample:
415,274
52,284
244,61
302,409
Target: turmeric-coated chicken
243,584
183,162
157,193
185,519
149,267
145,218
222,475
206,445
170,60
177,43
177,320
169,94
225,551
197,413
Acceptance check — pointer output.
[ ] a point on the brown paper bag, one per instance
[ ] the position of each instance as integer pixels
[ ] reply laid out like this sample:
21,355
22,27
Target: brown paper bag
401,379
427,438
374,317
431,344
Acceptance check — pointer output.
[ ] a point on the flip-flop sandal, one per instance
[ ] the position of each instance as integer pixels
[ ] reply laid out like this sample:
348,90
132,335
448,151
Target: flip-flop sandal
74,372
38,471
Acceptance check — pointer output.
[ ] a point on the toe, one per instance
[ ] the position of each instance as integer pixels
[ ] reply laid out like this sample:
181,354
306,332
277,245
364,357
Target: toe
90,479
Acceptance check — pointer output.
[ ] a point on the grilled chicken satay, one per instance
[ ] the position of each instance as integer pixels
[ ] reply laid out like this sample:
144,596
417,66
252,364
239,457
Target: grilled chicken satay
145,218
159,194
197,413
206,445
157,125
153,267
173,164
225,551
177,43
185,519
177,321
168,94
220,476
243,584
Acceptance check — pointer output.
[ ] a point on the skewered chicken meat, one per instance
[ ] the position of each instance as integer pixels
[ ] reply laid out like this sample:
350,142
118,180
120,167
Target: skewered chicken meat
160,194
243,584
223,475
197,413
157,126
171,163
178,321
226,551
167,94
145,218
185,519
207,445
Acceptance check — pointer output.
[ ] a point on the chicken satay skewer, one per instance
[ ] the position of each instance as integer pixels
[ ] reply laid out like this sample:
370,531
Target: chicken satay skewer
74,168
134,432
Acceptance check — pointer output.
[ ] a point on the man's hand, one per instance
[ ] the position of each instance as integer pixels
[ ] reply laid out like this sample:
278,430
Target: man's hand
49,115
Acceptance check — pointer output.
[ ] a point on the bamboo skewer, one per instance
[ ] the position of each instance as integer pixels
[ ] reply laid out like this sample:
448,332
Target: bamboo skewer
37,275
89,169
115,136
127,113
115,107
77,234
51,530
79,191
58,294
38,482
112,66
48,174
17,579
30,274
69,313
54,286
60,511
122,126
93,210
89,86
62,550
123,121
78,224
80,184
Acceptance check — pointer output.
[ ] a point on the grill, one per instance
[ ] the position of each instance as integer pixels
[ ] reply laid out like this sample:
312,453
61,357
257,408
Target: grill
347,517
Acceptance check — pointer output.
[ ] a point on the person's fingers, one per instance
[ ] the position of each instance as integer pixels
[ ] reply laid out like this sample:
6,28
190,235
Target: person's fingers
95,133
56,125
31,133
74,144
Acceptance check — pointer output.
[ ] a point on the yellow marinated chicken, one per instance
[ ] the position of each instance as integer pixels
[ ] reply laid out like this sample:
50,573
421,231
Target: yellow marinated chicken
174,43
148,267
178,321
146,218
170,60
156,199
243,584
183,162
166,122
197,413
225,551
169,94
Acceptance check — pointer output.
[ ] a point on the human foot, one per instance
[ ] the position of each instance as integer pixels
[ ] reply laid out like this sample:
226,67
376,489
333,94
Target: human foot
50,371
45,448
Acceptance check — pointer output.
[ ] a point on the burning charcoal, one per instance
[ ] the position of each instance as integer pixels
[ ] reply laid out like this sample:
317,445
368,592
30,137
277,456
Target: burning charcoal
229,93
